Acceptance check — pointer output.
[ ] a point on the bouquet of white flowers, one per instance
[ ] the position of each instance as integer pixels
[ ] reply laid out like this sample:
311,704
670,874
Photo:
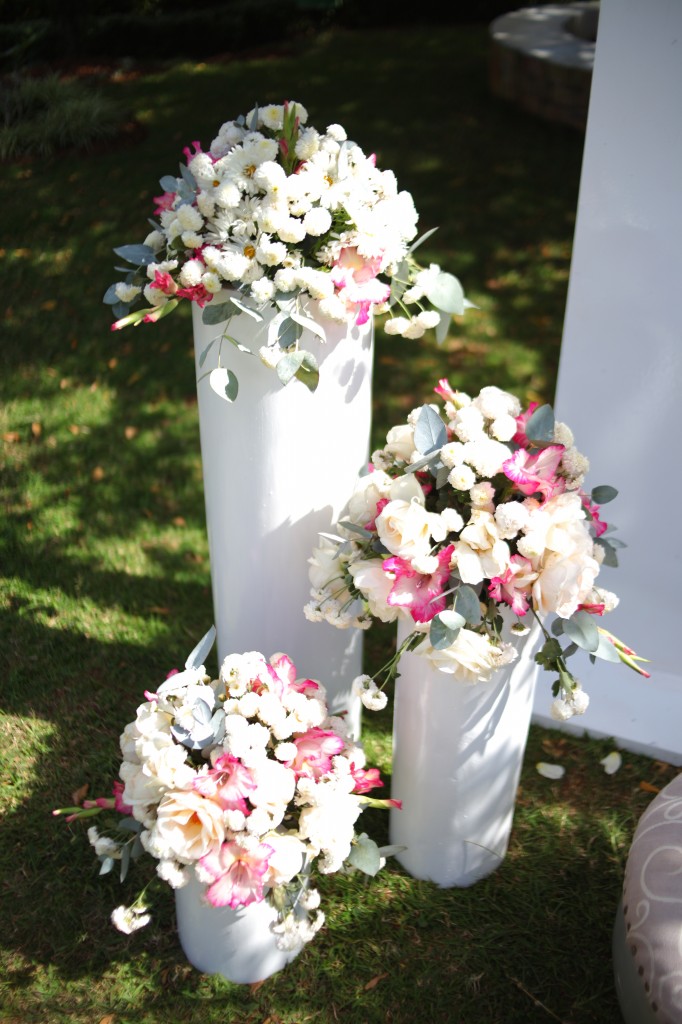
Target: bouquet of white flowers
278,214
468,511
245,780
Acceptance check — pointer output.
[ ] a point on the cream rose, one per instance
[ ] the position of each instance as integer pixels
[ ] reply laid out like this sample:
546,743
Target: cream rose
405,528
375,585
472,658
286,860
188,826
563,583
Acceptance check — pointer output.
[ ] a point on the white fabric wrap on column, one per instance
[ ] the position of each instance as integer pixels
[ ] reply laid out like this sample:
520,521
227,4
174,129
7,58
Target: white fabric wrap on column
279,464
458,749
237,944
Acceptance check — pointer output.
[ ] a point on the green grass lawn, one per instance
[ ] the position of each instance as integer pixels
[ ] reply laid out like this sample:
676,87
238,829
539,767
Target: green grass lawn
105,572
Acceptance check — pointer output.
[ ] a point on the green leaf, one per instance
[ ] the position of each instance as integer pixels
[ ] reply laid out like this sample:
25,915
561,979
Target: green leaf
254,120
204,354
110,296
242,307
540,426
237,344
364,855
549,653
125,862
427,234
581,629
309,325
606,650
216,313
444,629
468,605
399,282
558,626
308,372
107,866
420,463
442,328
446,293
430,433
442,475
119,310
610,556
603,494
188,177
224,383
168,183
288,366
138,255
288,333
198,655
354,528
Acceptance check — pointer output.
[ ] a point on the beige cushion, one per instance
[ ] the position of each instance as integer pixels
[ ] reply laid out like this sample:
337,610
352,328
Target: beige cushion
652,902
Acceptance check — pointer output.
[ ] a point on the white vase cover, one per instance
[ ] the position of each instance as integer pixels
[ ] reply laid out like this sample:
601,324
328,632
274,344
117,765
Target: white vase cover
457,754
278,466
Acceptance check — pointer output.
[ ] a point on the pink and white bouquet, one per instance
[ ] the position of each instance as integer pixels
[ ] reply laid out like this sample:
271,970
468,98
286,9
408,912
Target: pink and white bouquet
473,520
278,214
245,780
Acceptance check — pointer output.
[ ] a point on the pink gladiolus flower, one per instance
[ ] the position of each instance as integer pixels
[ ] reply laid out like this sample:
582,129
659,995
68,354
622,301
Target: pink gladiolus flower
514,586
238,874
282,671
365,779
197,293
599,525
444,390
520,436
119,805
164,283
418,592
189,155
229,783
592,609
315,750
164,202
381,505
536,473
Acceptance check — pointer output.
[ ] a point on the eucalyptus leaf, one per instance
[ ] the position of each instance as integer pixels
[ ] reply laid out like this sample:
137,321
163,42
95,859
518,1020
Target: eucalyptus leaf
120,309
430,433
309,325
581,629
288,333
570,650
110,296
468,605
249,310
224,383
342,160
288,366
442,328
139,255
444,629
427,234
238,344
169,183
129,824
604,493
442,474
399,282
353,528
107,865
125,862
418,464
364,855
540,426
446,293
204,354
198,655
606,650
216,312
610,556
557,626
253,126
137,848
188,177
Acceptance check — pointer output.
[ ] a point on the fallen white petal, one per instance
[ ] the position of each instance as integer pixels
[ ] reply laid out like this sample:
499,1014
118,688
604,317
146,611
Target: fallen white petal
612,762
550,771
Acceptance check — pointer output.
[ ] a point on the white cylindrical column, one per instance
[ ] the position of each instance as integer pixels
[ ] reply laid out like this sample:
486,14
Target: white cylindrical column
278,466
457,755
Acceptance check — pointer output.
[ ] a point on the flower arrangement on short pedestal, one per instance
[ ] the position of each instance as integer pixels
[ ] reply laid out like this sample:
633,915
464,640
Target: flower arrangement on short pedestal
281,215
246,780
466,512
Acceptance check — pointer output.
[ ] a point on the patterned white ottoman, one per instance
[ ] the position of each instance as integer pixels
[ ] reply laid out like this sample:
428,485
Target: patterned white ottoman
647,934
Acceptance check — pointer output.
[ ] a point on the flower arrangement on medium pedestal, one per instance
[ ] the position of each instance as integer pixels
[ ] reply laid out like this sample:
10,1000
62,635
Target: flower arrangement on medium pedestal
245,781
276,214
468,511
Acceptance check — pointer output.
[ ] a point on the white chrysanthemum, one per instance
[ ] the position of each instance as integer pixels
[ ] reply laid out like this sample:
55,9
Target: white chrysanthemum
452,454
503,428
211,282
175,874
227,195
271,177
462,477
486,455
494,402
155,240
369,693
397,325
191,273
451,520
127,292
263,290
191,239
568,705
468,424
337,132
307,144
482,495
428,318
563,435
317,221
103,845
206,204
269,253
285,279
189,218
511,517
574,463
291,230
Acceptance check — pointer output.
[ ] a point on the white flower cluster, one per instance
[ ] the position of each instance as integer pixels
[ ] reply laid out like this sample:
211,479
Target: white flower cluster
275,208
247,781
488,518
